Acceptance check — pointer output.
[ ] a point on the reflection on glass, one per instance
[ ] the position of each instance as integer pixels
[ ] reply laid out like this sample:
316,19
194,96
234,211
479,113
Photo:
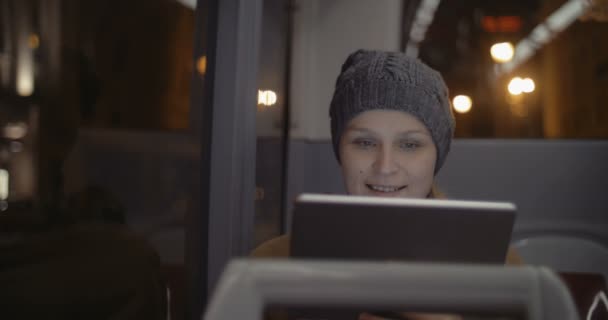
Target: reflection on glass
15,130
4,184
33,41
25,75
201,65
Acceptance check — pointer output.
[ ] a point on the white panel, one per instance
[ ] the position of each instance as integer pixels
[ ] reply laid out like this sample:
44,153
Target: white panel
325,32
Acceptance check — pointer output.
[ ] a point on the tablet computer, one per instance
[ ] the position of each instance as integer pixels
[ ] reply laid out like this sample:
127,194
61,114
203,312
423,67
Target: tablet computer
418,230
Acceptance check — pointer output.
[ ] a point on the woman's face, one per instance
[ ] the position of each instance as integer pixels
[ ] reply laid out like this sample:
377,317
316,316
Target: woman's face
387,153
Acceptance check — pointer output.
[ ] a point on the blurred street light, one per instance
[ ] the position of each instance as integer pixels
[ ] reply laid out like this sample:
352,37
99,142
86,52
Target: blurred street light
516,86
462,103
528,85
267,97
502,52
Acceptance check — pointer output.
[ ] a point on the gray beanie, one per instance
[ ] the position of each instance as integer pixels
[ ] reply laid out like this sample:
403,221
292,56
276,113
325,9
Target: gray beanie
371,80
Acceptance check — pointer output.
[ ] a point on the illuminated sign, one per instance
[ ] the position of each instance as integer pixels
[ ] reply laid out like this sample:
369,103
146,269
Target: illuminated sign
503,24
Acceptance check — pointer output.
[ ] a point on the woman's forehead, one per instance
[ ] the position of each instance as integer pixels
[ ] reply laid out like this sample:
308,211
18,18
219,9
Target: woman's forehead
386,120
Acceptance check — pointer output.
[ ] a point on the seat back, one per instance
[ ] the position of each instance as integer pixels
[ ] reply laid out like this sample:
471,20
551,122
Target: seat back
247,286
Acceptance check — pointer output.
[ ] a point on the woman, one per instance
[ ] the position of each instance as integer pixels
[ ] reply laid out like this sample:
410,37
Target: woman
392,126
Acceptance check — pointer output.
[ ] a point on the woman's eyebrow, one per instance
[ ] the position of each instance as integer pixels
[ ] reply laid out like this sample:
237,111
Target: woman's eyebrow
360,129
411,132
400,134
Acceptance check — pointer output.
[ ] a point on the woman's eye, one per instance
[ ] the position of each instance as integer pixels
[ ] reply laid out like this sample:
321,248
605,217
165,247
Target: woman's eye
408,145
364,143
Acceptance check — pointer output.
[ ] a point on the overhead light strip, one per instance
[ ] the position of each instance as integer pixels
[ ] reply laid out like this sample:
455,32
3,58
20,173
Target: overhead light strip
544,32
424,17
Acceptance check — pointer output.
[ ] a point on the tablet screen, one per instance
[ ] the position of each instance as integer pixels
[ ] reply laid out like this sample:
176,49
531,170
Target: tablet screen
417,230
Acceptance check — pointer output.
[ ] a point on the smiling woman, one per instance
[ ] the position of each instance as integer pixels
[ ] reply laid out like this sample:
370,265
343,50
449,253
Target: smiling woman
392,124
392,127
387,153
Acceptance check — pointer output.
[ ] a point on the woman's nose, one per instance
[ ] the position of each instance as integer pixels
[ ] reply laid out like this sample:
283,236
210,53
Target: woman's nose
385,161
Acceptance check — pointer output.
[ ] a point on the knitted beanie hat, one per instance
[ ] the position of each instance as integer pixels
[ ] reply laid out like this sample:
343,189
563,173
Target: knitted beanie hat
372,80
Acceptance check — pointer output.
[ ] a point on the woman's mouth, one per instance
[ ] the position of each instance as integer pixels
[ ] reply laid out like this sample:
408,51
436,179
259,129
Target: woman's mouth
385,189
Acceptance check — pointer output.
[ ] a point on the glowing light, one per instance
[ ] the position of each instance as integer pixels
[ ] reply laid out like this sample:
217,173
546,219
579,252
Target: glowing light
4,176
516,86
25,87
201,65
267,97
555,23
423,18
25,76
462,103
33,41
501,23
502,52
15,131
528,85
